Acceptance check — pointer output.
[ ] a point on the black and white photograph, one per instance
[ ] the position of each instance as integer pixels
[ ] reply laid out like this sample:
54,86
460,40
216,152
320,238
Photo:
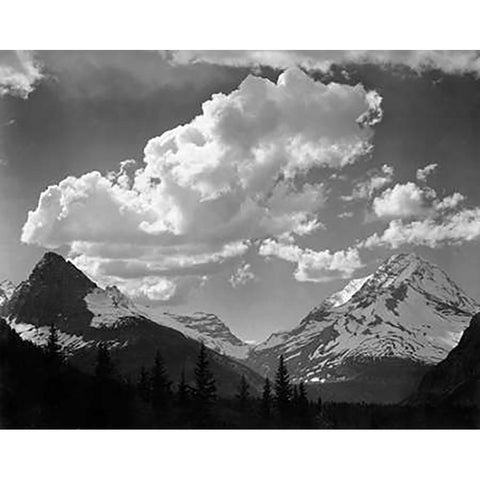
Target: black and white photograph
239,239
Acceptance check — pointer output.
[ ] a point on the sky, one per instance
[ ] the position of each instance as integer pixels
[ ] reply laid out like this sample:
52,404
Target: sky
247,184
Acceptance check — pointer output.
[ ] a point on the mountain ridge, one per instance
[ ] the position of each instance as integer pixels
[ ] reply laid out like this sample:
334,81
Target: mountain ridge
85,315
408,311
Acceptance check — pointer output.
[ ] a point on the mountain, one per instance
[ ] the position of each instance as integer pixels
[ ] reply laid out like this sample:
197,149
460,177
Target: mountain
373,340
203,327
6,291
455,380
85,315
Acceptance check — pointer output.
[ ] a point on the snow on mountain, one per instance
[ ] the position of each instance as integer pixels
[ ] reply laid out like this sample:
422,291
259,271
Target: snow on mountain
203,327
344,295
88,305
112,309
407,310
85,316
6,291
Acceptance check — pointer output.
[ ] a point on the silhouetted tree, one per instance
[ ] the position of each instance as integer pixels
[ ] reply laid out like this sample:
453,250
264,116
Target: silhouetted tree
143,385
182,391
266,402
243,394
205,391
53,377
105,402
160,387
283,391
53,348
303,406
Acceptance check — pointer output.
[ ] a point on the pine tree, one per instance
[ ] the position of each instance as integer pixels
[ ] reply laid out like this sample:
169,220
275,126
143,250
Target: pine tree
205,390
143,385
53,348
283,390
303,407
53,379
295,396
160,386
104,397
182,391
266,402
243,394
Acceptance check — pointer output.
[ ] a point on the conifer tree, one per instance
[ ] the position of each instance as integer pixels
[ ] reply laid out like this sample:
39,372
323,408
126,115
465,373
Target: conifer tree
283,390
266,402
53,379
53,349
303,407
182,390
243,394
160,385
103,408
143,385
205,390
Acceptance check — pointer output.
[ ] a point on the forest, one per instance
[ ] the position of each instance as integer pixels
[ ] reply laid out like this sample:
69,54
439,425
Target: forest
40,389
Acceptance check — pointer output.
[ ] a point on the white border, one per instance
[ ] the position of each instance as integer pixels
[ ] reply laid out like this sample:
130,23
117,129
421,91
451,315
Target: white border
249,24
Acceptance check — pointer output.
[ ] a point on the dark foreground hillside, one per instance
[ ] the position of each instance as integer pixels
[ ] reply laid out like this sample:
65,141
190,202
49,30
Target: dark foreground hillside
39,389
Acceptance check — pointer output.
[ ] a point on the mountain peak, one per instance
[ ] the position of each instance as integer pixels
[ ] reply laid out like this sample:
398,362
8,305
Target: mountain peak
52,265
55,289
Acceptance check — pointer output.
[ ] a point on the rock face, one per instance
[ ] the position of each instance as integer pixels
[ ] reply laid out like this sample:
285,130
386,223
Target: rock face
85,315
373,340
203,327
457,378
6,291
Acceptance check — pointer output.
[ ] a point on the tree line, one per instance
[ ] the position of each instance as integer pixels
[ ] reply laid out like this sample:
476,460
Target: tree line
40,389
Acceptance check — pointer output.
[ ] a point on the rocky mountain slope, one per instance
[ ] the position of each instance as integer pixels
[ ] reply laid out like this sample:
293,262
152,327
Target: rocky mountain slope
203,327
6,291
457,378
86,315
381,331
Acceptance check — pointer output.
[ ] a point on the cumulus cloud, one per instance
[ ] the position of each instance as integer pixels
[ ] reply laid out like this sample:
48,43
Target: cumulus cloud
423,173
208,187
419,217
242,275
376,180
314,266
454,62
403,200
455,228
19,72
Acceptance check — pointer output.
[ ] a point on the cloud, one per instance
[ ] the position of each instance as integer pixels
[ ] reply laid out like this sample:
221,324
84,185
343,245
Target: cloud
242,275
403,200
452,62
377,179
19,72
206,188
455,228
314,266
450,202
423,173
421,218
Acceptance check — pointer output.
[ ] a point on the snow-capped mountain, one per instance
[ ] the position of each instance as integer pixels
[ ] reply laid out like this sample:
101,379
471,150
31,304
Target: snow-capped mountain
203,327
408,311
6,291
86,315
